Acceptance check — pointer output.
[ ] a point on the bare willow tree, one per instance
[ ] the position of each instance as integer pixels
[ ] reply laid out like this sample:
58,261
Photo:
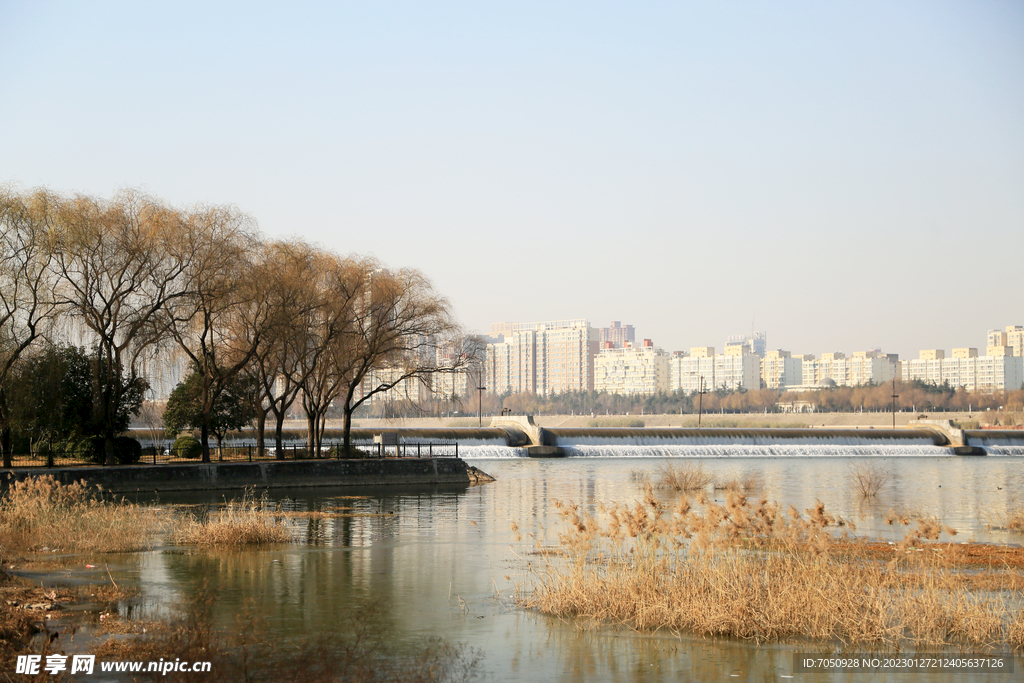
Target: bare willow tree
279,365
27,305
399,325
220,323
117,265
341,284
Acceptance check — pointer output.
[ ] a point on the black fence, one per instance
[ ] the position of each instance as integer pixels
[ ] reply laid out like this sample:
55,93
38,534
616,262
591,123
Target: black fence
250,453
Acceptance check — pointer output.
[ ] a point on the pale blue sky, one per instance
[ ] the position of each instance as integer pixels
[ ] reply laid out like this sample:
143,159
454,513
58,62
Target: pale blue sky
846,175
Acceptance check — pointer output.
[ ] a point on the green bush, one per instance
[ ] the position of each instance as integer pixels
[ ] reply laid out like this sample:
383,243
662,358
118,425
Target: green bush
187,447
126,450
338,451
81,449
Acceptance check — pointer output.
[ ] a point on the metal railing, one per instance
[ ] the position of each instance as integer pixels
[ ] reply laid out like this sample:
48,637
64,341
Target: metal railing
250,453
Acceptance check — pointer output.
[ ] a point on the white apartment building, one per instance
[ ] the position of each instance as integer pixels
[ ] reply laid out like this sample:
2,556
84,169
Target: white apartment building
631,369
972,373
544,358
753,344
864,367
779,369
1012,336
717,370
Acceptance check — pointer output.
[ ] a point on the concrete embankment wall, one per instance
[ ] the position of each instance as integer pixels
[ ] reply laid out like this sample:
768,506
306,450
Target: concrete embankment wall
270,474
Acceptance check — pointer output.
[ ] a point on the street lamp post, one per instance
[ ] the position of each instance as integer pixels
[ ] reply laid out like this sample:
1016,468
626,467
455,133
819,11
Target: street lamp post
480,406
701,390
894,397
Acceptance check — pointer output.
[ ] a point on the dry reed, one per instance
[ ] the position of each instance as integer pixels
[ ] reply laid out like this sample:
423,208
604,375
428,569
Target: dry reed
641,477
40,513
1015,519
685,476
743,483
1011,520
754,571
241,523
868,478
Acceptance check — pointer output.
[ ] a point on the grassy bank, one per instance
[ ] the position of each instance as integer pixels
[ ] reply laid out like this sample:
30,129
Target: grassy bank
750,570
40,513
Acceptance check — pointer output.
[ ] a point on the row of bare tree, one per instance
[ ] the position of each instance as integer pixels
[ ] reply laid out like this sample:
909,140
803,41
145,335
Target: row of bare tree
134,277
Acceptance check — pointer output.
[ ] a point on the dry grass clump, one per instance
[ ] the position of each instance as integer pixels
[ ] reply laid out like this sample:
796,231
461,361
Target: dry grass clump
640,477
41,513
1011,520
1015,519
743,483
751,570
686,476
868,478
241,523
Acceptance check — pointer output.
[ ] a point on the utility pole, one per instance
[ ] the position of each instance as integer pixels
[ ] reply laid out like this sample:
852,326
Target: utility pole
480,406
894,397
701,390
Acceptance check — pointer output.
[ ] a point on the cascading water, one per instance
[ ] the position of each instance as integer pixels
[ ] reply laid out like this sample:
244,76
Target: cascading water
725,450
470,452
746,443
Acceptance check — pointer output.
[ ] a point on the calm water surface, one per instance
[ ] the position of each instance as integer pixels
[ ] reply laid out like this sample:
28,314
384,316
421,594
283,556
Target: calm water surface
441,562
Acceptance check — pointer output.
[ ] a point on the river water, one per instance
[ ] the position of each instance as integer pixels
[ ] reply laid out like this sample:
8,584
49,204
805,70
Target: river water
444,561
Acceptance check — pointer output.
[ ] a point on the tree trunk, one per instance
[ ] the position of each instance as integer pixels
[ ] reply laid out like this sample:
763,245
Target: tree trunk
310,432
261,432
108,447
5,429
321,424
204,437
347,432
278,436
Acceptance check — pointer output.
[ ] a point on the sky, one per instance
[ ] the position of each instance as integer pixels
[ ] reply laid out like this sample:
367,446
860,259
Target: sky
841,175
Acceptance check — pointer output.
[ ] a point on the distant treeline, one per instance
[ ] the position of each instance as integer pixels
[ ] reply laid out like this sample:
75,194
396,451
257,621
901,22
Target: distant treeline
911,396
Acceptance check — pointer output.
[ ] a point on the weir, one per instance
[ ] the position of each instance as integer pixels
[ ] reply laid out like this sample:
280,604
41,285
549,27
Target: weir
515,436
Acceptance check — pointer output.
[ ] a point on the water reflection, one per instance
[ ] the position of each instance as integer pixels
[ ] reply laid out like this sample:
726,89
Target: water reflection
441,562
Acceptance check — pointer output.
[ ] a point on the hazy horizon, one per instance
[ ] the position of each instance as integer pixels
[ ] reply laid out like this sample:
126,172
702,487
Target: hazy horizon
842,176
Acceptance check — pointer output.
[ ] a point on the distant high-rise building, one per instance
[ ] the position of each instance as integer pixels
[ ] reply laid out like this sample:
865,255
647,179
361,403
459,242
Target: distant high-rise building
631,369
1012,336
864,367
618,334
753,344
551,357
721,371
779,369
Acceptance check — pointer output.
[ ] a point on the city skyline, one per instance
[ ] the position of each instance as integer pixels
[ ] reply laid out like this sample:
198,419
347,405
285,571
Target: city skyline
844,177
571,355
